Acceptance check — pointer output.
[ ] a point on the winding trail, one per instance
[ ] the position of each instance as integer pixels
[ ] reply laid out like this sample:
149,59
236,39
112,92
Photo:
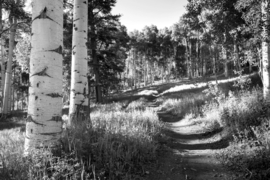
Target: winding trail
191,149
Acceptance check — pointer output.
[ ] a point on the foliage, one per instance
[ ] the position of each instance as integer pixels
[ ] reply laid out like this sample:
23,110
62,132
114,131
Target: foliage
215,92
22,52
107,42
247,116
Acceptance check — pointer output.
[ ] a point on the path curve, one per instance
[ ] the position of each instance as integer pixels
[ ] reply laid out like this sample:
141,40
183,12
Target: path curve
191,149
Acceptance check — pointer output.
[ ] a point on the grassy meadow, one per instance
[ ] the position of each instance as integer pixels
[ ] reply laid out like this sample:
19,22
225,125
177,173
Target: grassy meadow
117,144
122,139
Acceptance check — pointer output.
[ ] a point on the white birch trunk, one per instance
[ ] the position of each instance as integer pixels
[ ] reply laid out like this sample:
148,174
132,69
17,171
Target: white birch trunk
79,82
44,122
265,49
2,63
7,87
3,70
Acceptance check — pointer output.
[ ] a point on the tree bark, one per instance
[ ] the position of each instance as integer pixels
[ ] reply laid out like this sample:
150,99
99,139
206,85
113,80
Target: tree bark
225,61
13,98
212,55
93,46
188,59
145,71
265,49
133,52
3,71
198,57
7,93
236,56
44,121
191,60
203,61
79,83
2,58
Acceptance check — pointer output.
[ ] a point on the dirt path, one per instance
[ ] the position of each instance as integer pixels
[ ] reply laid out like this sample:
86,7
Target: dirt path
191,152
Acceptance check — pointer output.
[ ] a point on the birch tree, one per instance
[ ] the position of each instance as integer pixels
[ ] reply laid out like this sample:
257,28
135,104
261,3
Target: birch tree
265,48
2,69
8,75
2,55
44,122
79,82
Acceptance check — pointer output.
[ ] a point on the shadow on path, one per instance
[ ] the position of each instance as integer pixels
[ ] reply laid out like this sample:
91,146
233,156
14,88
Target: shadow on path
192,152
5,125
223,143
176,135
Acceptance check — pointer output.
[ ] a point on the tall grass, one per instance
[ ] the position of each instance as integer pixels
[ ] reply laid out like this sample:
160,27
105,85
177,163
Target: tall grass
116,144
11,150
246,116
191,103
242,113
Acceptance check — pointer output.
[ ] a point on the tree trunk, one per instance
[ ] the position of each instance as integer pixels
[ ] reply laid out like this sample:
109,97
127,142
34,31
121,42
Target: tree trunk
162,74
93,47
225,61
260,63
198,57
95,64
2,59
79,83
265,49
236,57
3,71
216,55
44,121
191,60
212,55
7,94
204,61
151,66
13,98
188,59
145,71
134,68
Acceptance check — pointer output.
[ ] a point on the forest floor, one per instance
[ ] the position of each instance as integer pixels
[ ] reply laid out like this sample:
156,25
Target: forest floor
189,148
189,152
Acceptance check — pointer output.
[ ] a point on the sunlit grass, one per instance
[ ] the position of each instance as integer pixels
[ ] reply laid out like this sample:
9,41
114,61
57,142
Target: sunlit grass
117,144
187,105
11,150
245,115
201,84
121,142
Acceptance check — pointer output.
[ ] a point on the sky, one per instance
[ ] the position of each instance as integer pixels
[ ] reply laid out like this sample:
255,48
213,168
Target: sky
136,14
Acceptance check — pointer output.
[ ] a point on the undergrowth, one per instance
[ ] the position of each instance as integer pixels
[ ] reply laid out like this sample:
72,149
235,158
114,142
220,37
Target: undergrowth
239,108
120,141
116,144
189,104
245,114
